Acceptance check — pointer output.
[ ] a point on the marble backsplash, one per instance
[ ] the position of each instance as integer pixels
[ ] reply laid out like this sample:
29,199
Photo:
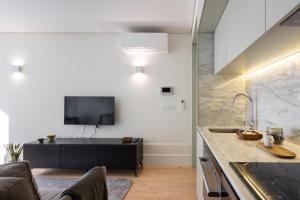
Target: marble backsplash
216,92
278,96
276,90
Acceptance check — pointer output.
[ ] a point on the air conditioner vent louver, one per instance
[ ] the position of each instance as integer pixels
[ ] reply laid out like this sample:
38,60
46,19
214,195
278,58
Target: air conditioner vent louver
145,42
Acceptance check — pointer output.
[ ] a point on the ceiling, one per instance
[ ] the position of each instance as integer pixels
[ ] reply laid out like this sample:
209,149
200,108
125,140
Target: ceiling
106,16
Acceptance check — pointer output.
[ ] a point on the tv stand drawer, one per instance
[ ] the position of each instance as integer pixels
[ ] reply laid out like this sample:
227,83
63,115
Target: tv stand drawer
42,156
85,153
79,156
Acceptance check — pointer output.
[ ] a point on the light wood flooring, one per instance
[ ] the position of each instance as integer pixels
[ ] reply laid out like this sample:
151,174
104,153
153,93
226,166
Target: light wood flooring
153,183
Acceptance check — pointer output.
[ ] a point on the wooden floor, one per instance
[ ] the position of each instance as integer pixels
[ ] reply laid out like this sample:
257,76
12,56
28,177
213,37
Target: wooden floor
153,183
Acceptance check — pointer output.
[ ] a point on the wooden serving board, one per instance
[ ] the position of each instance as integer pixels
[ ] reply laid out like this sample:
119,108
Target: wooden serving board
278,151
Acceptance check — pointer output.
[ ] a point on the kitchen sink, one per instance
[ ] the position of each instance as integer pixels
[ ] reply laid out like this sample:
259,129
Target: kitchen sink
224,130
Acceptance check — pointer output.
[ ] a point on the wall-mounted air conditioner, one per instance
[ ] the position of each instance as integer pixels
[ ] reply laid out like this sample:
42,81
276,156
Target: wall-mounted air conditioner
145,42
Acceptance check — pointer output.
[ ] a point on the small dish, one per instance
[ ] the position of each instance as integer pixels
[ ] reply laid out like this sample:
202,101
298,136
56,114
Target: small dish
41,140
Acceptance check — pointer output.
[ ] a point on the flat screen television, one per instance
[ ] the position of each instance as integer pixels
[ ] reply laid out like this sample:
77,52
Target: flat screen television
88,110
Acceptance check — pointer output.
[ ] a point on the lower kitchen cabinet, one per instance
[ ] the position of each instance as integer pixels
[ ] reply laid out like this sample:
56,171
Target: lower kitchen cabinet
212,184
231,193
199,170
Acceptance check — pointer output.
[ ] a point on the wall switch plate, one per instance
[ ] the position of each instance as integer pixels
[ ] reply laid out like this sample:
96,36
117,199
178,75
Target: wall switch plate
169,107
182,104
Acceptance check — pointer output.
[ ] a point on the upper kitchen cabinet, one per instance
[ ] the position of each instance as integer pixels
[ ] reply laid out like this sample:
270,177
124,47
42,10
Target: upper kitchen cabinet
245,24
277,9
242,23
220,46
244,39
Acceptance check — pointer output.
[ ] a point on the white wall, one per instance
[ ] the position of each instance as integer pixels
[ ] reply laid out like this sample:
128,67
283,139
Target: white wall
56,65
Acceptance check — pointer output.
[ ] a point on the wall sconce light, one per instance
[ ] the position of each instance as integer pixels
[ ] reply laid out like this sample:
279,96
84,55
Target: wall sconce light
139,69
17,69
17,72
139,74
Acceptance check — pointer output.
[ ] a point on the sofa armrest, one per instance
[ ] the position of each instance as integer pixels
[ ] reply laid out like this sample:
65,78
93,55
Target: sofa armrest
15,188
92,186
21,169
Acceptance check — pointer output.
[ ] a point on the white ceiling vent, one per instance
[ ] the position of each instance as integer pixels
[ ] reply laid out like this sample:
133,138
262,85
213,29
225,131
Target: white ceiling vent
145,42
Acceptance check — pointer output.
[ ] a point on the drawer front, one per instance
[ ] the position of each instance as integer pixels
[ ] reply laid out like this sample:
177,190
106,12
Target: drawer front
79,156
42,156
118,157
231,193
199,145
206,197
199,181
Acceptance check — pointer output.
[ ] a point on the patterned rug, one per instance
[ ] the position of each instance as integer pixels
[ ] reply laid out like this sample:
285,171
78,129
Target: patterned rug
117,187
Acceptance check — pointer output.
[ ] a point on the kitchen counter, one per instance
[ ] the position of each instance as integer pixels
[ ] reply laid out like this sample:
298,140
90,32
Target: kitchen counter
227,147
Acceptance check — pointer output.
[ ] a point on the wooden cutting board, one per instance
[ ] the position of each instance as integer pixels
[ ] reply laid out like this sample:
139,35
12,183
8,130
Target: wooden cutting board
278,151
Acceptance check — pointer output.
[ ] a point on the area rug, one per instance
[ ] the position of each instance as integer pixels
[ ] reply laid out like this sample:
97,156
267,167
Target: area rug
117,187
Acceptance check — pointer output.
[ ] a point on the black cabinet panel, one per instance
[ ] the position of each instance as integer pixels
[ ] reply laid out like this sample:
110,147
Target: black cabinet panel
85,153
42,156
79,156
118,157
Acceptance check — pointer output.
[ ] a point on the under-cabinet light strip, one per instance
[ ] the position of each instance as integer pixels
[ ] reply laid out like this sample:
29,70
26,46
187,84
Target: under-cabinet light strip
272,64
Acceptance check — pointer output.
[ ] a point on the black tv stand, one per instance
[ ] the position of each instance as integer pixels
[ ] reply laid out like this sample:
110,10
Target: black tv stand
85,153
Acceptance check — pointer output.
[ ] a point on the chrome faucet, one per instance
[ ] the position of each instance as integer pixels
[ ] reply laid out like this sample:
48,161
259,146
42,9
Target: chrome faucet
251,123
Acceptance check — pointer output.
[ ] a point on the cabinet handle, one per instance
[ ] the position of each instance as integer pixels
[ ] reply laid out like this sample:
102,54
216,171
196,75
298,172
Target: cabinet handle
203,159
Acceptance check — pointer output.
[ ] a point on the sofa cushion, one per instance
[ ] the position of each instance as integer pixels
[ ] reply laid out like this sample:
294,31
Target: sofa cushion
21,169
91,186
12,188
50,194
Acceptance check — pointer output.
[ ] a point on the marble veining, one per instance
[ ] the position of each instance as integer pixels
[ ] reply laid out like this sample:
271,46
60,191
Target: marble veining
216,91
278,96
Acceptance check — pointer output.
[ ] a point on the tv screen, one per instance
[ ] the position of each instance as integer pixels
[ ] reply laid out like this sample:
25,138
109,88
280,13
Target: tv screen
89,110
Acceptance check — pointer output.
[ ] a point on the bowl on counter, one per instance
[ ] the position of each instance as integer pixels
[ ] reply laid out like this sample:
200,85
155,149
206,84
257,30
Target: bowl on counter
51,137
249,135
41,140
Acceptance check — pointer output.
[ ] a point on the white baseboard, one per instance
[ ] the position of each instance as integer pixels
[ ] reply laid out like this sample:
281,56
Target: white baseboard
168,154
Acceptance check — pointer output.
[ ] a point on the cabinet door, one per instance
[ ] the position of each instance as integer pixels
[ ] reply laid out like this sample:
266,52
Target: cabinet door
246,23
79,156
220,43
227,186
42,156
118,157
277,9
199,170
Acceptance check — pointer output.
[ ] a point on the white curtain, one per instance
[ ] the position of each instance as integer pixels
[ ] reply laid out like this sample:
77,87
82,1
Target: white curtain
4,135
